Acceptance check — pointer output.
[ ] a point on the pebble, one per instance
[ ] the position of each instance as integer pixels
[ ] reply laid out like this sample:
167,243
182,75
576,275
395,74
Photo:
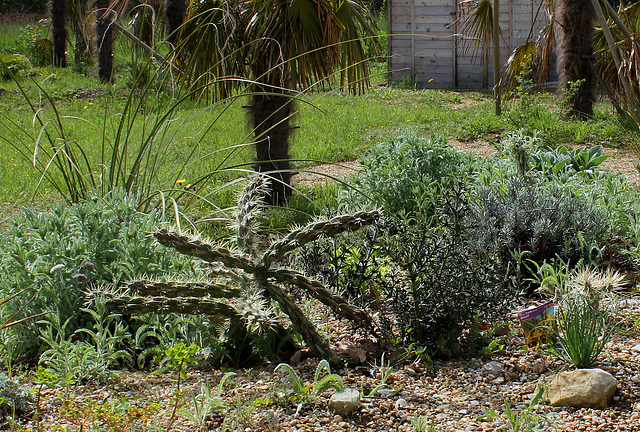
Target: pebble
402,403
498,380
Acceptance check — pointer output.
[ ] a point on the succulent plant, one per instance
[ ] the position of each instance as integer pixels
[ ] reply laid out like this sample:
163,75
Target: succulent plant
247,278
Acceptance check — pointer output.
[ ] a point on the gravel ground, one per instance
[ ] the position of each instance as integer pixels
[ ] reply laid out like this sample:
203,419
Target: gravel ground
451,394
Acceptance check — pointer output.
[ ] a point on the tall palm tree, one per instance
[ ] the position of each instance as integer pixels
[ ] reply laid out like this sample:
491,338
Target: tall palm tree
104,39
58,13
174,11
286,46
79,13
296,44
575,56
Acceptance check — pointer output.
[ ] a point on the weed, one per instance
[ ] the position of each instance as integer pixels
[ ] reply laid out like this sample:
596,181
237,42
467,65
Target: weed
522,419
179,357
419,424
309,393
205,403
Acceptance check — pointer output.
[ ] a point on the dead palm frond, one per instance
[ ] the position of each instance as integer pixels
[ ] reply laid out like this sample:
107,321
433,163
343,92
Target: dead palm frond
618,56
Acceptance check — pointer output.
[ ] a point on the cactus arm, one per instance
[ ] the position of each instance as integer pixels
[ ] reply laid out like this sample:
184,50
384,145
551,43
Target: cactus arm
316,343
250,204
204,251
188,305
319,292
182,289
316,230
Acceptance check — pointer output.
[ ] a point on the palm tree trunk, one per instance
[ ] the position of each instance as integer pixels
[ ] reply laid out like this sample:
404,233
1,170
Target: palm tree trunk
174,12
575,54
271,121
104,41
59,32
80,49
497,65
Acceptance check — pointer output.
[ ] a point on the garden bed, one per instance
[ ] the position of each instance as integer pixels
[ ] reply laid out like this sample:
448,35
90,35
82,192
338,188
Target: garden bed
451,394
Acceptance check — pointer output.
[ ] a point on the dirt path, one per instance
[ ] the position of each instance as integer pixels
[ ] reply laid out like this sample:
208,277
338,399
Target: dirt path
621,161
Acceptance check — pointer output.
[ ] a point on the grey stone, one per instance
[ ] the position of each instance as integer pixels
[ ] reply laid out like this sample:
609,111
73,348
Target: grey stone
582,388
401,403
498,380
493,368
345,403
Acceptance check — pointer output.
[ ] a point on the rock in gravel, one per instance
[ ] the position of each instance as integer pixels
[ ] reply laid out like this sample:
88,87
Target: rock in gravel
493,368
345,403
582,388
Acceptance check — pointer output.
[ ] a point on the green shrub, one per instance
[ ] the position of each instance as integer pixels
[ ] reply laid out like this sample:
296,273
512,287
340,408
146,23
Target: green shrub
352,264
449,283
407,174
63,252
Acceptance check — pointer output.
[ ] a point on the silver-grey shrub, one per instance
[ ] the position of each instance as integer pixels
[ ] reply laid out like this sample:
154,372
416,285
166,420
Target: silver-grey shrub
64,251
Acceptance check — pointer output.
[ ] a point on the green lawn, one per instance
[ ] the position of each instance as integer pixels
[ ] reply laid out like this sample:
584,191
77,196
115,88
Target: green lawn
194,139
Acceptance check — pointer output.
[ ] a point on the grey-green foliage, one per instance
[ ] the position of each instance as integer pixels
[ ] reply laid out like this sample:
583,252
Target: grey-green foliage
407,174
89,353
13,396
546,218
64,251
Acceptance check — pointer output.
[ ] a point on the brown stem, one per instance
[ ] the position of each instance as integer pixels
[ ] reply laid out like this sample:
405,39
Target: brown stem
175,405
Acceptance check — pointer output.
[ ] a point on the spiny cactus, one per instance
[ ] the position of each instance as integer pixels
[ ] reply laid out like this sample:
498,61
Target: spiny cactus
247,272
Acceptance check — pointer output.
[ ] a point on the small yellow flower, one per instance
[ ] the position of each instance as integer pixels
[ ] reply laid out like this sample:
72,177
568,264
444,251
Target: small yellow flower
90,103
180,181
84,107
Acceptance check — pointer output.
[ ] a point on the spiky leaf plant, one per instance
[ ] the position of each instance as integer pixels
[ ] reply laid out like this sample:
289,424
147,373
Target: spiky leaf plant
247,278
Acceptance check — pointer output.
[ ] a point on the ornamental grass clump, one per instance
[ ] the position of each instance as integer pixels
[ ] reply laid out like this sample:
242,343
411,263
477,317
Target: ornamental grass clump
247,278
584,321
581,330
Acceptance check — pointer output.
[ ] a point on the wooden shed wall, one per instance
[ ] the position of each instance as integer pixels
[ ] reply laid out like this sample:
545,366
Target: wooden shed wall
426,48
